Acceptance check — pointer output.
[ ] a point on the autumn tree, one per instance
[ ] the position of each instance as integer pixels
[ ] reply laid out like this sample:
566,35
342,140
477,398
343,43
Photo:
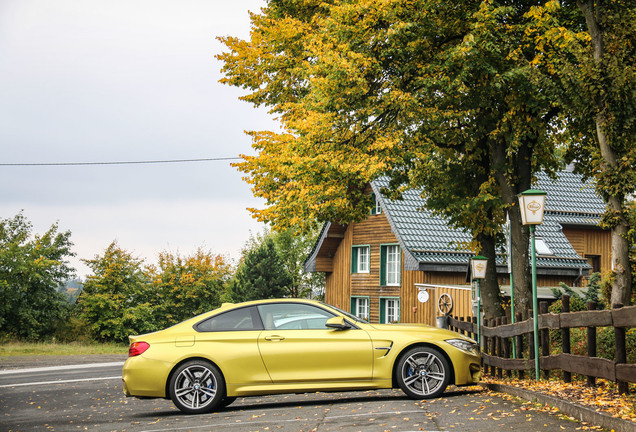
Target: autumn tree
416,90
589,47
606,115
118,299
188,286
32,267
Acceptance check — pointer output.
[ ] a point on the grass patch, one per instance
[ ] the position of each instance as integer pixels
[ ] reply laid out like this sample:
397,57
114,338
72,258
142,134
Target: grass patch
9,349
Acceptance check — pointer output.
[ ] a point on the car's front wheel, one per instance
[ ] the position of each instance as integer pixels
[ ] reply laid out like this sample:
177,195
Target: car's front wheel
423,373
197,387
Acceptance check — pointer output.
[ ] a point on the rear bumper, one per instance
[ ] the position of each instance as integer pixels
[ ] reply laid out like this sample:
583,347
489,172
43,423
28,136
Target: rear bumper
144,378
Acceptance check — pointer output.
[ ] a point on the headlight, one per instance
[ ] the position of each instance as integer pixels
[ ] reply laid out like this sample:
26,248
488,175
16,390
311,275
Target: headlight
464,345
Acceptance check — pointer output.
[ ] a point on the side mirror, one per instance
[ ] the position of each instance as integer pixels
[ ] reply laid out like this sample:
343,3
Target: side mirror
337,323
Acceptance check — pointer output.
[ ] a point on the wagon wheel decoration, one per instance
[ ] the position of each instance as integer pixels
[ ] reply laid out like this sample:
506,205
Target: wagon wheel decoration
445,304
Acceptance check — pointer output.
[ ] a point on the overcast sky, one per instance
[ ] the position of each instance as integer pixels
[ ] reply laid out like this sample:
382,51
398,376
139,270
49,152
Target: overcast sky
125,80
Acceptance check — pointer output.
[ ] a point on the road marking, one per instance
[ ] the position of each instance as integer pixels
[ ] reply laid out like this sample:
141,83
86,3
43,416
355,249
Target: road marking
57,368
60,382
261,422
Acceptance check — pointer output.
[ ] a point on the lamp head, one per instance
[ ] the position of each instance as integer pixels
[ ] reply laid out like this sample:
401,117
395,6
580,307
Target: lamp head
479,264
532,206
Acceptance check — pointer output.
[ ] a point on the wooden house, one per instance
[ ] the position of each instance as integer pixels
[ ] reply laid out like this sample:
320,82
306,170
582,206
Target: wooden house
402,264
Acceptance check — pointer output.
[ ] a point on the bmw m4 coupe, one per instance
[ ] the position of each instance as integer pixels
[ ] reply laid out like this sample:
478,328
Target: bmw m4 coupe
292,346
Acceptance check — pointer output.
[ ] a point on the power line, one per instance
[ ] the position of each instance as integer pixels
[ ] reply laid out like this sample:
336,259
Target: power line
121,162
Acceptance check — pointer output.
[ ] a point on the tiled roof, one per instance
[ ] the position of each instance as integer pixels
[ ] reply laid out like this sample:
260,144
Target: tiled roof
418,228
568,193
429,240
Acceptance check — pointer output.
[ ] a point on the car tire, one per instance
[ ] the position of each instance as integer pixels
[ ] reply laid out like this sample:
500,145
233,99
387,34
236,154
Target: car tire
197,387
226,401
423,373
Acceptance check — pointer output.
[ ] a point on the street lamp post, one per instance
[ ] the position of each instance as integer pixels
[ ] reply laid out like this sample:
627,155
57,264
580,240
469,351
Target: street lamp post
531,205
478,270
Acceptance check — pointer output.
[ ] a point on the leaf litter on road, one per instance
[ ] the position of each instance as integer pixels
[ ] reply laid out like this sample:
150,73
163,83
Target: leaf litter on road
603,397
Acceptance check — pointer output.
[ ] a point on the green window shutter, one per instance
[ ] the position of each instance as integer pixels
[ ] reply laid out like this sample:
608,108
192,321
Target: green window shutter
382,265
400,266
382,311
353,305
374,204
354,260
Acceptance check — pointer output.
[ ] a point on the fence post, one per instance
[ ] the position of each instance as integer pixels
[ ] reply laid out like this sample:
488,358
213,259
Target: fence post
499,341
591,343
531,341
506,347
485,323
621,352
461,331
493,346
519,345
545,338
565,336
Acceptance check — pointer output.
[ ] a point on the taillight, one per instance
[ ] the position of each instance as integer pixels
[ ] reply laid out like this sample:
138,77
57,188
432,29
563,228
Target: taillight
137,348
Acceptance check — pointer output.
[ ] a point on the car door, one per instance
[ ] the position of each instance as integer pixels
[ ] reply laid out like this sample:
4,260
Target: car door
296,346
230,339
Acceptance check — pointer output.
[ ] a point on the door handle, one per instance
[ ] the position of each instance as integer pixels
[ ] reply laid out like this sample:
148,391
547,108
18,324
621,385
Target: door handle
274,338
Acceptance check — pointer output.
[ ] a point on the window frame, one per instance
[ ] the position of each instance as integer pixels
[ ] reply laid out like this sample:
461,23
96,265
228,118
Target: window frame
384,303
384,265
377,208
355,305
355,259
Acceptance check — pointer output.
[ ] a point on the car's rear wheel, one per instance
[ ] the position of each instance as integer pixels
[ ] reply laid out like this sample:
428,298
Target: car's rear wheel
197,387
226,401
423,373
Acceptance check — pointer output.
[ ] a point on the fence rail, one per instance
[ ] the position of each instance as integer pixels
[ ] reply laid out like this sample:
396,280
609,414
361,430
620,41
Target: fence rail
505,344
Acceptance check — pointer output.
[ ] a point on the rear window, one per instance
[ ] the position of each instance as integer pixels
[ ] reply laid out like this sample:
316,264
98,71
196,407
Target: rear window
235,320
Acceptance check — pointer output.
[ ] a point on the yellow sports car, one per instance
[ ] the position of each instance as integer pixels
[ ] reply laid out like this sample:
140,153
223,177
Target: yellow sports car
292,346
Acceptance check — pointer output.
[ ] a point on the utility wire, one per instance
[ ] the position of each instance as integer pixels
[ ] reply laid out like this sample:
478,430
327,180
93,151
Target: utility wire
121,162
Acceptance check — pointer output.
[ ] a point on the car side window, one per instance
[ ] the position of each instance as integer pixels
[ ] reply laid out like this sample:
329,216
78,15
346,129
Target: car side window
235,320
293,316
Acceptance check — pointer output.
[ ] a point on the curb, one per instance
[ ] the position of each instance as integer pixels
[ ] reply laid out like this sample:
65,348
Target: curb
579,412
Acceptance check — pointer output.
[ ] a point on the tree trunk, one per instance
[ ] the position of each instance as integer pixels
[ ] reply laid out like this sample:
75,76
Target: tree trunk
522,278
621,289
490,297
520,234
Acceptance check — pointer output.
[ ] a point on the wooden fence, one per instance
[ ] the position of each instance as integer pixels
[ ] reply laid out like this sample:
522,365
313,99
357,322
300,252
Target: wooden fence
499,337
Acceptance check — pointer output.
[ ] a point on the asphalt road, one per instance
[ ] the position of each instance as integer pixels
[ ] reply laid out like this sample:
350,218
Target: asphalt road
89,397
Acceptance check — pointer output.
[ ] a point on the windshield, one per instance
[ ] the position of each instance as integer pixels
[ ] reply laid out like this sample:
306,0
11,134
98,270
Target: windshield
348,315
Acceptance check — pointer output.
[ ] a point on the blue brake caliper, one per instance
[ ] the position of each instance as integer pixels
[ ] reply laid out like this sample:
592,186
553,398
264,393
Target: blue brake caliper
210,387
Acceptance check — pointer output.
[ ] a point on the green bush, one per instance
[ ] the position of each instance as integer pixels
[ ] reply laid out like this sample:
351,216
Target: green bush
577,302
605,343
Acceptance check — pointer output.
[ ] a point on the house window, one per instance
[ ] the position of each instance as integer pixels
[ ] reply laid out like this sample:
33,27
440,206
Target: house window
389,310
360,307
376,209
390,265
542,247
360,258
595,262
